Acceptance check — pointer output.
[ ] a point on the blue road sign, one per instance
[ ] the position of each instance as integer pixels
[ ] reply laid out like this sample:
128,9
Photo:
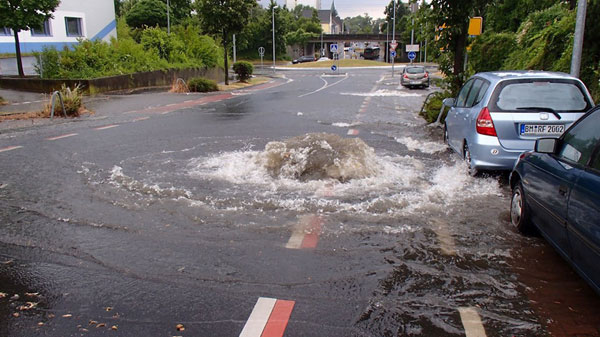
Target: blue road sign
333,48
412,55
333,67
393,53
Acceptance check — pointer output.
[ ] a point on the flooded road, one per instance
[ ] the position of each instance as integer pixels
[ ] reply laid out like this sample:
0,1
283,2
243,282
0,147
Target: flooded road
326,193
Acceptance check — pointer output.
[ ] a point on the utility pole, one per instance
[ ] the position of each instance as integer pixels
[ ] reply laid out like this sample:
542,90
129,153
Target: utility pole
168,19
394,35
273,10
578,41
234,51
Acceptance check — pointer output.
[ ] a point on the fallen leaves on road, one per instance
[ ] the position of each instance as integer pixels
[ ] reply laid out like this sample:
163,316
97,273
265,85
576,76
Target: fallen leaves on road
3,295
67,315
180,327
27,306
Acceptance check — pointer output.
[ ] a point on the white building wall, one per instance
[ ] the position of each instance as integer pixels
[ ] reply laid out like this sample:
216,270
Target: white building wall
97,22
291,4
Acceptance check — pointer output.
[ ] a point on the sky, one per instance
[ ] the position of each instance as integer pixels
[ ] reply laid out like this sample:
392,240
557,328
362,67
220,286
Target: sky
350,8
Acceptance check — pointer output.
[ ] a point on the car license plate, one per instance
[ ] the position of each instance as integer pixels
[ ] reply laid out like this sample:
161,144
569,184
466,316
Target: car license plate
542,129
415,82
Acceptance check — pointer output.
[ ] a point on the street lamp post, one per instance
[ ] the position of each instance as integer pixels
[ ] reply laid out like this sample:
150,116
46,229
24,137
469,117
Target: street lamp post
273,14
394,35
168,19
387,34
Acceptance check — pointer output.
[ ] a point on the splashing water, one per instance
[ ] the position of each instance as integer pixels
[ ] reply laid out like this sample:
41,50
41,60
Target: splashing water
318,156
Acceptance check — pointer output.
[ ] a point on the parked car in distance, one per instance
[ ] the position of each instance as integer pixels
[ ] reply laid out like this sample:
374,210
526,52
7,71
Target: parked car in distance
415,76
499,115
303,59
556,189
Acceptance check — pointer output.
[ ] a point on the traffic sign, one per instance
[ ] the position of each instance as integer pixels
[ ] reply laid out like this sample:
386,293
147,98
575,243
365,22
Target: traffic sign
393,45
412,47
261,51
392,53
333,48
412,55
333,68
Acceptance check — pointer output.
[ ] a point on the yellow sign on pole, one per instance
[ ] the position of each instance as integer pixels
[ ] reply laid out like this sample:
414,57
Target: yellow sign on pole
476,25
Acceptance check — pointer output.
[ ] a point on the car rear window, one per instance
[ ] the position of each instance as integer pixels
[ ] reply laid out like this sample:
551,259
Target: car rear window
559,95
415,70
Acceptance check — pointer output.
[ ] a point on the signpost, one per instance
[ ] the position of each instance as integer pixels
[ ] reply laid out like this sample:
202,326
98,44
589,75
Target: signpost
261,52
411,56
336,56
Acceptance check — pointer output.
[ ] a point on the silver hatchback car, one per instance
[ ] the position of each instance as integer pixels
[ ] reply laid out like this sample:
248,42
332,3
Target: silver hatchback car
499,115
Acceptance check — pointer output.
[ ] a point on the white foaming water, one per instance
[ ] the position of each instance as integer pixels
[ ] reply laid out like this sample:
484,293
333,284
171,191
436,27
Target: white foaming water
424,147
382,93
398,184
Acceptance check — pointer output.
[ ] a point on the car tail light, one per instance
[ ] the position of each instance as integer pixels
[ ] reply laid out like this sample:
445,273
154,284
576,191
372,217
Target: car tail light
426,74
485,125
405,76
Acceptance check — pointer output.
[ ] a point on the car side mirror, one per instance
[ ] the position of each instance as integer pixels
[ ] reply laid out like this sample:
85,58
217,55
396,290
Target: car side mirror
546,145
448,102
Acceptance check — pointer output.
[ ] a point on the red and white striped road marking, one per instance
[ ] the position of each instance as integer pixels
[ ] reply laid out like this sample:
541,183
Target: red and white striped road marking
269,318
107,127
472,322
10,148
306,233
353,132
62,136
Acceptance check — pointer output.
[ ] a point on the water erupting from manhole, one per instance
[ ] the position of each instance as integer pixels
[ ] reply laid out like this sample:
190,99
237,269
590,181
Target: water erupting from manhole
319,156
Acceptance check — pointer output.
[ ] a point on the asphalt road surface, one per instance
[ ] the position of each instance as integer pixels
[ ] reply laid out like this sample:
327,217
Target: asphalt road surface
312,205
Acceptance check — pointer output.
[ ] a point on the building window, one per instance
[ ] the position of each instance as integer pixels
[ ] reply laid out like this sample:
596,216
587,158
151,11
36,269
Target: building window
43,30
74,27
5,31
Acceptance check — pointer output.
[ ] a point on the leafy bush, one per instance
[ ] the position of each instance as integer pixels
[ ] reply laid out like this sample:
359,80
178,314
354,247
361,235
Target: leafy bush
544,41
433,106
158,41
72,99
489,50
244,70
184,48
2,101
200,84
48,63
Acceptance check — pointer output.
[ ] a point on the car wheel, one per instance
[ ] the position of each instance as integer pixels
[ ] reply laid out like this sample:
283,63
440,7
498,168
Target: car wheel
519,210
471,170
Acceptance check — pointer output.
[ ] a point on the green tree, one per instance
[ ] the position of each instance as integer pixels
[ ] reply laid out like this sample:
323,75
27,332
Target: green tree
224,18
507,15
23,15
454,15
149,13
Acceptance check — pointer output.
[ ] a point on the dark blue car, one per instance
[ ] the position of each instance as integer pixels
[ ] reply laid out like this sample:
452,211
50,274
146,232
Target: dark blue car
556,189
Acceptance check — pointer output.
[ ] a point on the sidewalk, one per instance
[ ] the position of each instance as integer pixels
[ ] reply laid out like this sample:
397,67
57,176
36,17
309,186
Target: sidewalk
21,101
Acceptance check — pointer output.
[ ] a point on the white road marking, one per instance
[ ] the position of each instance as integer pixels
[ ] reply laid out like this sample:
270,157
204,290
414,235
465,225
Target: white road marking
107,127
472,322
325,86
141,119
10,148
447,245
63,136
258,318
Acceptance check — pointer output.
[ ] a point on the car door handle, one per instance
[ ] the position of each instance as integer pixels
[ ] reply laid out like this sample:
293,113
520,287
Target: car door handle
562,190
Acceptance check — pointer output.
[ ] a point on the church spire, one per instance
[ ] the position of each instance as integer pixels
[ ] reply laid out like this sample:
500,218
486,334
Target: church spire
334,12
